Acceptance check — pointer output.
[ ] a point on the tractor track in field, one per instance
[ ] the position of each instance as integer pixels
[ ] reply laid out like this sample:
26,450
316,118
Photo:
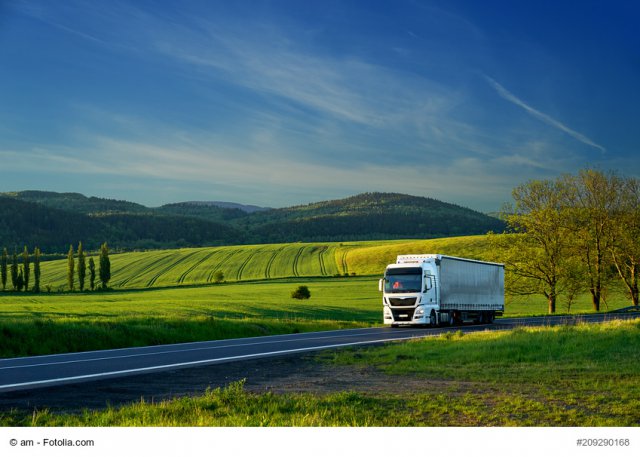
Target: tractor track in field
345,268
151,265
219,264
267,270
295,262
153,280
245,263
323,270
195,265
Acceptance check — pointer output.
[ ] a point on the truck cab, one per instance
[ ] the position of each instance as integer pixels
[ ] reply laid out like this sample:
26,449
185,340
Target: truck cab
410,294
435,289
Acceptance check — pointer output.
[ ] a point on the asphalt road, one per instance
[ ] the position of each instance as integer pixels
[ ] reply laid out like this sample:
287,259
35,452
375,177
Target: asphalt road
26,373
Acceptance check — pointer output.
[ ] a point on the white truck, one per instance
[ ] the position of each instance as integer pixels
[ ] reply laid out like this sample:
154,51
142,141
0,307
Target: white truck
435,289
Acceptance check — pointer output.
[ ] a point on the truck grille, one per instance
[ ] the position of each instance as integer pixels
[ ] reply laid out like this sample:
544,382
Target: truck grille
411,301
400,315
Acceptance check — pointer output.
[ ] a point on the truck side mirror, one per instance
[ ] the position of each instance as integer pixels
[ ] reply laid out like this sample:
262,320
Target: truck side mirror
427,283
380,285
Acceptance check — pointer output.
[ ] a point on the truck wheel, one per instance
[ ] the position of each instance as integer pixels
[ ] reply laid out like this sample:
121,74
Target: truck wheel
433,321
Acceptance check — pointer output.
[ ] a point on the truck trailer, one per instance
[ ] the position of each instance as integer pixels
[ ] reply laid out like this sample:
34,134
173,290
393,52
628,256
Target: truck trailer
436,289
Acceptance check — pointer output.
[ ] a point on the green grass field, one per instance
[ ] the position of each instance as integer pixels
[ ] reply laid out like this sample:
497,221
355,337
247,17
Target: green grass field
587,375
168,296
561,376
34,323
176,267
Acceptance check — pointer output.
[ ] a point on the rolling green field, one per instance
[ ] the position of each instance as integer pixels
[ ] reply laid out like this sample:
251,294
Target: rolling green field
33,324
549,376
586,375
191,266
167,296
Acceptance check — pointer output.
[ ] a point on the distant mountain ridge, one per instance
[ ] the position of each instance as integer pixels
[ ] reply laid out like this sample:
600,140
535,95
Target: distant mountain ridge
76,202
245,208
54,220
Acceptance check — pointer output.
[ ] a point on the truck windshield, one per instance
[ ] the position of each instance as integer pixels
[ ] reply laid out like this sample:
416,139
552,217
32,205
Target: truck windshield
402,280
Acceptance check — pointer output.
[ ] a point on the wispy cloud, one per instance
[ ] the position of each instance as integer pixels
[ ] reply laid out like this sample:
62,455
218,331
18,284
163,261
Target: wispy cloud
504,93
344,88
267,108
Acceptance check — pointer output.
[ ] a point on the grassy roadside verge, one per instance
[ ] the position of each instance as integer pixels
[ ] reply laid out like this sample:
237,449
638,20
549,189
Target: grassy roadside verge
47,336
587,375
33,324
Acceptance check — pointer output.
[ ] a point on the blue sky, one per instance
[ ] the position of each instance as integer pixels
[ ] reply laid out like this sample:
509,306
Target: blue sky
286,102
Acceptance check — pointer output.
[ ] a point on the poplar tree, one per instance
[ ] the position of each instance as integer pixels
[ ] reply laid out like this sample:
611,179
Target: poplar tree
70,268
26,268
82,267
36,270
14,270
105,266
92,273
20,280
3,268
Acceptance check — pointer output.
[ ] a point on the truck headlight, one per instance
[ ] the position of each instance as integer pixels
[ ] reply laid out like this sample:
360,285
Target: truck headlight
419,311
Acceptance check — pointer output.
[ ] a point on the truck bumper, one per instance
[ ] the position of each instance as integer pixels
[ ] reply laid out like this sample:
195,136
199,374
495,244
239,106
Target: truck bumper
405,316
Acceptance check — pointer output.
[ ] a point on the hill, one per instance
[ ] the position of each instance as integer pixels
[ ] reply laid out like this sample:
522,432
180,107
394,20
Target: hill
175,267
77,203
367,216
371,216
25,223
202,211
230,205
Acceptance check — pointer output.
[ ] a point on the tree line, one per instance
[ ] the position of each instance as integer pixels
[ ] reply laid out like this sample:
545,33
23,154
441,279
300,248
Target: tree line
572,234
18,270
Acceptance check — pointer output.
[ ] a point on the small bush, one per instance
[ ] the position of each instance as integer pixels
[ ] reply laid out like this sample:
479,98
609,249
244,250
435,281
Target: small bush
218,277
301,293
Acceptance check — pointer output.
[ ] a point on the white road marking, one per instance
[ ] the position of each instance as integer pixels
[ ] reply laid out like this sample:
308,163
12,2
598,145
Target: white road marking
192,343
195,363
205,348
393,336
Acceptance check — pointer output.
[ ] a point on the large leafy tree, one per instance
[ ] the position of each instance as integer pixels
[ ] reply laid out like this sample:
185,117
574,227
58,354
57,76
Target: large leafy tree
595,201
537,253
625,245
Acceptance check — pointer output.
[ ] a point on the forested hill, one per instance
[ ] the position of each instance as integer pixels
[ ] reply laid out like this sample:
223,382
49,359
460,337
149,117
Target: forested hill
24,223
367,216
52,221
78,203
